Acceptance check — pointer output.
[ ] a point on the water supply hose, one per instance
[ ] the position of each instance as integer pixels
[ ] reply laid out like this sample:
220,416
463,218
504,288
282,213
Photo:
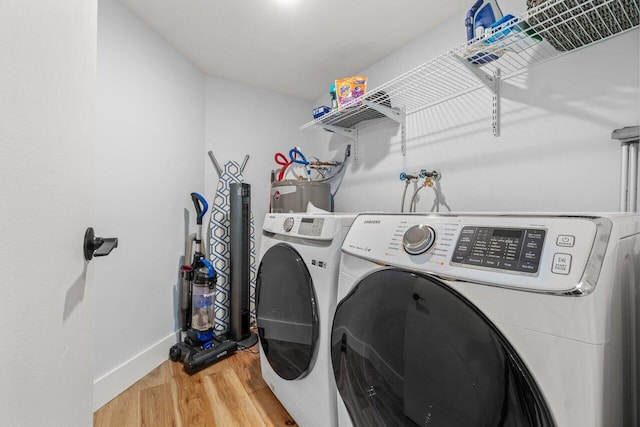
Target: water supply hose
347,153
436,202
293,155
412,204
408,178
284,163
429,181
404,195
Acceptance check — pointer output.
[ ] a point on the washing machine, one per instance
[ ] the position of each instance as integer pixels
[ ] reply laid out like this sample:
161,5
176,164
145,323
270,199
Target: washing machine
296,296
488,320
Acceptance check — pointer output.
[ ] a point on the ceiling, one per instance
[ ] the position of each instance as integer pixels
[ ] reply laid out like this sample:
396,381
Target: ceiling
295,47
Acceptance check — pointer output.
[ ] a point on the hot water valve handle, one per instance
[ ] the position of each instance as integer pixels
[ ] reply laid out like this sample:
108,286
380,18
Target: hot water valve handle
97,246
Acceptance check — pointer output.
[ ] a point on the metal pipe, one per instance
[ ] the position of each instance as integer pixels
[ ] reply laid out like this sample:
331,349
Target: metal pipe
624,177
347,153
215,163
244,163
185,301
629,138
633,177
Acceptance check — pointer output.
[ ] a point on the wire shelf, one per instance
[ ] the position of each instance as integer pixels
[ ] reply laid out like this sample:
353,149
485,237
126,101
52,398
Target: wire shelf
549,28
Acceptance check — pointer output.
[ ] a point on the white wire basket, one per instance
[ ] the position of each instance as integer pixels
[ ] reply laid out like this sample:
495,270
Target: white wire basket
548,29
570,24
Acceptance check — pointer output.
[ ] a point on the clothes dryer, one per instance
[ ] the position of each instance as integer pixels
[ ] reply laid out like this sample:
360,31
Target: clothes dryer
488,320
295,301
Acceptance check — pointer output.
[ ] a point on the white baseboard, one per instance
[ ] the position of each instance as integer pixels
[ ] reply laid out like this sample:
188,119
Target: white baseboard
124,376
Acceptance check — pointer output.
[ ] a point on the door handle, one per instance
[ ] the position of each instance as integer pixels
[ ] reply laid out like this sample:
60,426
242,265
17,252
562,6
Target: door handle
97,246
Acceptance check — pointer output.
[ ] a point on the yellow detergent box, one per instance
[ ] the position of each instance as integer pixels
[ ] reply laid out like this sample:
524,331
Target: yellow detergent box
349,89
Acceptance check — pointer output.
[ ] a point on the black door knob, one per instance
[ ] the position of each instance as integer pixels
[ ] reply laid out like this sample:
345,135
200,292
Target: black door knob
97,246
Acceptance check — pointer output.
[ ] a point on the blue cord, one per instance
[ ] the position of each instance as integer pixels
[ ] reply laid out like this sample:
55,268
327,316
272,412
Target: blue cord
208,265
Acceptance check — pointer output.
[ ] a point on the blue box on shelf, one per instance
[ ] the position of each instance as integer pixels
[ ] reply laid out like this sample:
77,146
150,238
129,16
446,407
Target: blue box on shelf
320,111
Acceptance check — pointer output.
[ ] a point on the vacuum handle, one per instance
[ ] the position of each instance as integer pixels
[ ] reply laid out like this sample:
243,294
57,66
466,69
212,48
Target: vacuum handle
201,206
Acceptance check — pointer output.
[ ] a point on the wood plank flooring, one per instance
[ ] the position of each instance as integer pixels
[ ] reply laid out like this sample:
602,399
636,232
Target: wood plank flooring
228,393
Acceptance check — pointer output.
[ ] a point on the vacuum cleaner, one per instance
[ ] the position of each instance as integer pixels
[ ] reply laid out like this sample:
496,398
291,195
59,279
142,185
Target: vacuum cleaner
199,347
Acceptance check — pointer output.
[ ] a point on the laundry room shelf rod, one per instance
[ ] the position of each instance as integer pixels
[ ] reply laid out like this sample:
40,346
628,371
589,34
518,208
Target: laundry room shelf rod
546,31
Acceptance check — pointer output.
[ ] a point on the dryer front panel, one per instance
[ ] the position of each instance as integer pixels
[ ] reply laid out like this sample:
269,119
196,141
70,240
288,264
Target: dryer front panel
287,312
407,350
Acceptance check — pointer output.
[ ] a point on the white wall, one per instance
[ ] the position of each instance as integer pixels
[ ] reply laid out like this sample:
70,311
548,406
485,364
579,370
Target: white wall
244,120
47,138
555,151
149,158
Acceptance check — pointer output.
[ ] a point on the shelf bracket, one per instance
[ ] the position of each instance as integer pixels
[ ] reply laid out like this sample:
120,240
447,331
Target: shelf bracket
492,82
397,115
485,78
495,115
392,113
403,133
348,133
356,159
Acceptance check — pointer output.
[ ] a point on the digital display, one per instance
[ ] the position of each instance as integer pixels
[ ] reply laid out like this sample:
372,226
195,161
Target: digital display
311,226
514,249
507,232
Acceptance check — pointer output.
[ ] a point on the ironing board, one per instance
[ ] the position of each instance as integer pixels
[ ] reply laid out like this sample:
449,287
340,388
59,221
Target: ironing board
220,245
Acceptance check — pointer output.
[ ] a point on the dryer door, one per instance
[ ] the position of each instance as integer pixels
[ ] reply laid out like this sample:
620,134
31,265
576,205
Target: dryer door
286,312
407,350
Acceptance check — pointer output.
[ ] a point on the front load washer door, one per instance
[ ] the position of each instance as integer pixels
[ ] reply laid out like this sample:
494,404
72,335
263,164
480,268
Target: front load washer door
407,350
286,312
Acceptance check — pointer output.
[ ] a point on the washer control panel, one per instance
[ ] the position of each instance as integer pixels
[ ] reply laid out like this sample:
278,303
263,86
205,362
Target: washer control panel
533,252
516,249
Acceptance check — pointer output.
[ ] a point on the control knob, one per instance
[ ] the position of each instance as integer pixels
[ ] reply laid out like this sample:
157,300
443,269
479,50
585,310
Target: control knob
418,239
288,224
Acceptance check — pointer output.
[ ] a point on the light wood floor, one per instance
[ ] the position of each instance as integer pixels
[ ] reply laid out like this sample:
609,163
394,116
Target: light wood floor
228,393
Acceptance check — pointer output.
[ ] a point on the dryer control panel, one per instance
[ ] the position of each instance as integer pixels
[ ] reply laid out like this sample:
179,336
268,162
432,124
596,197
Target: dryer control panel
308,226
552,254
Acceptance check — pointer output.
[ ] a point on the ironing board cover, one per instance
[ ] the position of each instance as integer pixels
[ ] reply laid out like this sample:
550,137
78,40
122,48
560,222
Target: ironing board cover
220,247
